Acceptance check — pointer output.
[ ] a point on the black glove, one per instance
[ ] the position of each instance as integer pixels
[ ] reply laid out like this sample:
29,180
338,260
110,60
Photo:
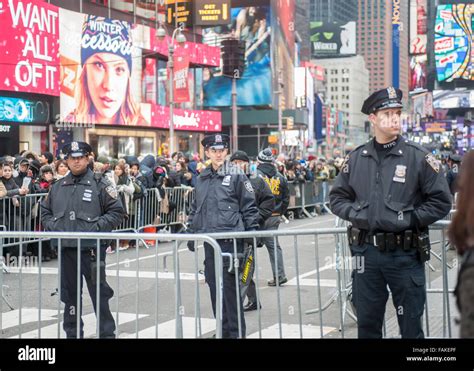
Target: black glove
190,243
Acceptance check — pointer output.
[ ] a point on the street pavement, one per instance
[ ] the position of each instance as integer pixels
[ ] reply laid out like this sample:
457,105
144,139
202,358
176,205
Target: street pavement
146,305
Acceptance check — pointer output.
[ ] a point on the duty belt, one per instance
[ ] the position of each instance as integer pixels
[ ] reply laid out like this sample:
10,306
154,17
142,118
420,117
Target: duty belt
384,241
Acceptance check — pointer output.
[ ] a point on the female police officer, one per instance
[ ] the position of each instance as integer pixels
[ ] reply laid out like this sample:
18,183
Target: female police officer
391,190
224,202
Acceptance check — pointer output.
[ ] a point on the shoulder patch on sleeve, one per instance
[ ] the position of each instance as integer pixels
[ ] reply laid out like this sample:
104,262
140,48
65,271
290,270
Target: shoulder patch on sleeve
248,186
433,162
112,191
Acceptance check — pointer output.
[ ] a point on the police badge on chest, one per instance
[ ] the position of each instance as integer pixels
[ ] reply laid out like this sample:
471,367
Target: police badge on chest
400,174
226,181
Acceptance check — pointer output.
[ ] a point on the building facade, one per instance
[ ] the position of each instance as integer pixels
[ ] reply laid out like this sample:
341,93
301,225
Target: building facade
347,86
374,42
333,10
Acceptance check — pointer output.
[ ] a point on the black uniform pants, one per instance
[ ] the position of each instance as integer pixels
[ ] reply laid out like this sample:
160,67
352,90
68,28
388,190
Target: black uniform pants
231,300
404,274
69,293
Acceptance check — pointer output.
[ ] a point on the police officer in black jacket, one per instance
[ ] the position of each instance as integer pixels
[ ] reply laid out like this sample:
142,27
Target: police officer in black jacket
266,204
224,202
82,202
391,190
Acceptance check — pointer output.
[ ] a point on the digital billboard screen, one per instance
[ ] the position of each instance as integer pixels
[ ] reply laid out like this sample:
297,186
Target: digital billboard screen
454,42
446,99
29,48
332,39
253,26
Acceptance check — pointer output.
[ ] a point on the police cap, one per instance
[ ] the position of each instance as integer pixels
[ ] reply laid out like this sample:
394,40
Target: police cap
216,141
455,158
77,149
383,99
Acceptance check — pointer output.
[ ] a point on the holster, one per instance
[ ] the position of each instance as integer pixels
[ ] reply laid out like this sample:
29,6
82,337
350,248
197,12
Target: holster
355,236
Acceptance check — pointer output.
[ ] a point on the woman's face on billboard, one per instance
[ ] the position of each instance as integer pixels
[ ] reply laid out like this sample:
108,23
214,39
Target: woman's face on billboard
107,82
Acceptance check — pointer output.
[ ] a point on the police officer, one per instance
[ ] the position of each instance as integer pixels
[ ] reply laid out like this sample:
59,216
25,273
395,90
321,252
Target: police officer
224,202
82,202
280,189
265,203
391,190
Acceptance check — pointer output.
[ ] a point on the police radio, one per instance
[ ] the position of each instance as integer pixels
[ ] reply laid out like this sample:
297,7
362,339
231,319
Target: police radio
424,246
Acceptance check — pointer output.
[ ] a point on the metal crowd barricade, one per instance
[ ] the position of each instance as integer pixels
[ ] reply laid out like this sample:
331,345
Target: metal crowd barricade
309,196
292,300
21,213
153,303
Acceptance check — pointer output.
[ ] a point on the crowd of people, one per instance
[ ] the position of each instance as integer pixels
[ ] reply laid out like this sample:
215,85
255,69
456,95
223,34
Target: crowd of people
30,173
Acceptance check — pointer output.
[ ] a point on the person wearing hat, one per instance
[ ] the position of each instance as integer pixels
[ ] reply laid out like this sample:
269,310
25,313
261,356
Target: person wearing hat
454,165
281,191
390,190
224,202
82,202
22,164
265,203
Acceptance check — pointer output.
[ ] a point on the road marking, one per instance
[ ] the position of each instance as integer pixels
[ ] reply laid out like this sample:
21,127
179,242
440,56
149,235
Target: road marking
51,331
292,331
129,261
312,223
113,273
28,315
167,330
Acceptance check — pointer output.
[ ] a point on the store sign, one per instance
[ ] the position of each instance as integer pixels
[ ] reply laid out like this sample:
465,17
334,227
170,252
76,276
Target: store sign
21,110
211,12
186,120
5,128
29,48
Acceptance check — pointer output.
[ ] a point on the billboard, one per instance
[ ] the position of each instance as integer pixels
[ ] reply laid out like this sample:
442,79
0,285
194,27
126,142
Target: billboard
396,23
454,42
446,99
211,12
423,105
418,72
29,47
253,26
285,14
418,26
103,79
333,39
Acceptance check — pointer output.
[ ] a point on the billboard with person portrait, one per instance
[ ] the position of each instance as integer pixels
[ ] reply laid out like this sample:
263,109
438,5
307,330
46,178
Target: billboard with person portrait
99,72
253,26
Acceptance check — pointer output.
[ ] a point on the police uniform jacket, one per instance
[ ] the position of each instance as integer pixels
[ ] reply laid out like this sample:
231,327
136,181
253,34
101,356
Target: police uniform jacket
224,202
406,190
86,204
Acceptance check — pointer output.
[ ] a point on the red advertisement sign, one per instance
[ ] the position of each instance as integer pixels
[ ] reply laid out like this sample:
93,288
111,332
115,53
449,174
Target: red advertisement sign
201,54
29,47
180,77
186,120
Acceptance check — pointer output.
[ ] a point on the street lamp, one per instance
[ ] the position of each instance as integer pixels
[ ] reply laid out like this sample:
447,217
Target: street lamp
178,35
